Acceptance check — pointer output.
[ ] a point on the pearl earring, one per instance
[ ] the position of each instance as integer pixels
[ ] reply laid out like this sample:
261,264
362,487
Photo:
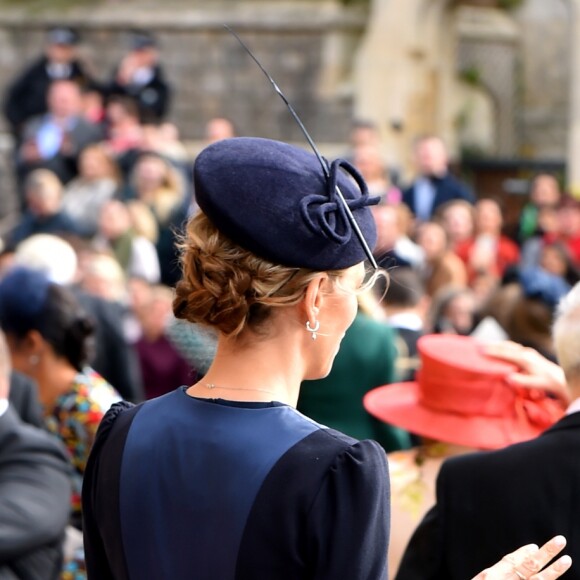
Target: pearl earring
33,359
313,330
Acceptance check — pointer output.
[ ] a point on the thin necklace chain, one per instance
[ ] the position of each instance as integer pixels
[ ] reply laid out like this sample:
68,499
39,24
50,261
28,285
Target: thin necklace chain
214,386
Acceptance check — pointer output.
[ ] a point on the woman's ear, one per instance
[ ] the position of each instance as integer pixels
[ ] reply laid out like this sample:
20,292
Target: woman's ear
314,297
33,343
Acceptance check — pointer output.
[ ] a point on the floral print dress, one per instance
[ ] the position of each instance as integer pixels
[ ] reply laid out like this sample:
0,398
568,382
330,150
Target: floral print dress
74,419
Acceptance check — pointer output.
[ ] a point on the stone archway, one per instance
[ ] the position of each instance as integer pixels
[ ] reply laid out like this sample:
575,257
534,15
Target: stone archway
404,72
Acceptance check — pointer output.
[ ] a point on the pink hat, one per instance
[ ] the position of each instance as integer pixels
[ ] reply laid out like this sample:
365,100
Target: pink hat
461,396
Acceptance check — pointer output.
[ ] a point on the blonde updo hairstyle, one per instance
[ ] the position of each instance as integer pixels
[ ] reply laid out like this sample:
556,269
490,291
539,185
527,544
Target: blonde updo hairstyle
229,288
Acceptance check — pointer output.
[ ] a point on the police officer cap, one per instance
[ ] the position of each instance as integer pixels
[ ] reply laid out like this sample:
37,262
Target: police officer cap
141,39
63,35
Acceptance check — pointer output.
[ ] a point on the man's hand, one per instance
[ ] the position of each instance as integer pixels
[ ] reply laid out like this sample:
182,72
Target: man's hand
527,562
536,371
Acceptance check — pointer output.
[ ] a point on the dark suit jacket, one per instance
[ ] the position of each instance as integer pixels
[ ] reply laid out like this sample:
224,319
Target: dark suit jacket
34,501
26,96
153,98
114,359
489,504
57,224
447,188
24,399
82,133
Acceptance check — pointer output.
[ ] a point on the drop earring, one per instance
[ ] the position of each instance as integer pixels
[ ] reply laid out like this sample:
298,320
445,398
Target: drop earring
313,330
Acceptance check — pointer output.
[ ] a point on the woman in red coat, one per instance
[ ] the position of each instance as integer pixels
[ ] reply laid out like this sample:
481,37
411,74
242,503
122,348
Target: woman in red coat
488,252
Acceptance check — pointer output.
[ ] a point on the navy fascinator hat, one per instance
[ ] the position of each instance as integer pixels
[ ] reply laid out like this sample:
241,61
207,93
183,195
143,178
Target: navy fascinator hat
23,295
544,286
273,199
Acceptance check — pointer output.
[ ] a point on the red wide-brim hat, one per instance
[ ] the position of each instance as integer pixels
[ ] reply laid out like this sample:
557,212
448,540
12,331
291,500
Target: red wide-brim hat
461,396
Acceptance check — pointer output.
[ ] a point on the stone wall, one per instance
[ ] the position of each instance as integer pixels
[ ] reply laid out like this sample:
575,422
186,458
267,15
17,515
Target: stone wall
307,47
544,77
314,50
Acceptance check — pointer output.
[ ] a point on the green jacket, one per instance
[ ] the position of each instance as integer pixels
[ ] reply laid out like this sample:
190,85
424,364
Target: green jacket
366,360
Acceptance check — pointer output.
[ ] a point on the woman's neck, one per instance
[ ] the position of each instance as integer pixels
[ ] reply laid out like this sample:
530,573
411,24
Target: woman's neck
256,370
54,379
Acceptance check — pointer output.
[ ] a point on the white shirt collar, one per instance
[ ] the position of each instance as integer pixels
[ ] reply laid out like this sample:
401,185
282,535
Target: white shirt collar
3,406
573,407
424,198
407,320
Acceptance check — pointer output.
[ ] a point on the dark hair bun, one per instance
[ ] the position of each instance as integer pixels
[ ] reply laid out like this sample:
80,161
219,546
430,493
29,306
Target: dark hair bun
79,343
67,327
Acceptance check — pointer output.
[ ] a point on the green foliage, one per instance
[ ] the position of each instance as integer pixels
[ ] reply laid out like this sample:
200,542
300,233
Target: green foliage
471,76
509,4
472,152
363,3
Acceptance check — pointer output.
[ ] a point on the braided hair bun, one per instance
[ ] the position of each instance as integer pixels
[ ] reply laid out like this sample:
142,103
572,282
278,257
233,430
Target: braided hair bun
227,287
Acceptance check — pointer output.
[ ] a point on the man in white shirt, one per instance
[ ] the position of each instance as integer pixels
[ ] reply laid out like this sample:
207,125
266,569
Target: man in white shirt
140,75
434,184
26,96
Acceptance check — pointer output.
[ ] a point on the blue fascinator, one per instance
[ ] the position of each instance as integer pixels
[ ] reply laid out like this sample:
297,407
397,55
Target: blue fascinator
541,285
23,295
273,199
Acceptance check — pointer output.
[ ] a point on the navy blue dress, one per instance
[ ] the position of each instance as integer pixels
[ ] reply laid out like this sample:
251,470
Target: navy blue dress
181,488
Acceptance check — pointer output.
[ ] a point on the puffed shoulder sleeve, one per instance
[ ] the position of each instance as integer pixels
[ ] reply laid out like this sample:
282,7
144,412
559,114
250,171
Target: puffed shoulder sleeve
350,518
101,527
109,419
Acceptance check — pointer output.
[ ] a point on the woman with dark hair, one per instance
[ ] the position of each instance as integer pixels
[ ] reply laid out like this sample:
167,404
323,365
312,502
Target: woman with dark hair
453,311
556,259
50,339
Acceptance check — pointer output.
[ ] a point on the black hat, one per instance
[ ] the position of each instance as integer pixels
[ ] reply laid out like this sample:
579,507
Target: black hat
63,35
273,199
23,295
141,39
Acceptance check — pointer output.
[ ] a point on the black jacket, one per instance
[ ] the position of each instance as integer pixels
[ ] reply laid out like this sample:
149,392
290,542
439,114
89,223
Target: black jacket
489,504
63,163
114,358
24,399
447,188
34,501
153,98
26,96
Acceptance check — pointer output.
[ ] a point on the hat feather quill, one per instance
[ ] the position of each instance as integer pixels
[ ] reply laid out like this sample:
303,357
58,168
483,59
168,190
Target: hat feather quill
321,160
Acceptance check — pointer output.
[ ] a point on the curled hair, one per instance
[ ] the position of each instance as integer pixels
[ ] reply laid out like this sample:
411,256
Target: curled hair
229,288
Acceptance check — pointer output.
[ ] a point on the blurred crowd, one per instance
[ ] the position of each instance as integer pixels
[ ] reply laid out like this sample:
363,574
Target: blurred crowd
86,272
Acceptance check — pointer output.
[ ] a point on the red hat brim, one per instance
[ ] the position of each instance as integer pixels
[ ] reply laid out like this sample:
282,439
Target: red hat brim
399,404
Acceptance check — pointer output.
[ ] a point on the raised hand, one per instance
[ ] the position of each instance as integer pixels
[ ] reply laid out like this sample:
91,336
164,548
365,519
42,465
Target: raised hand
527,563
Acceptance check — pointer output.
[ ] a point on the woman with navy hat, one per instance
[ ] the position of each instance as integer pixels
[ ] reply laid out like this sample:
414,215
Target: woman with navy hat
224,479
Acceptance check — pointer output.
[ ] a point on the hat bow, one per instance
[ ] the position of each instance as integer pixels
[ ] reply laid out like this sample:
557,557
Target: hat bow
326,214
535,407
